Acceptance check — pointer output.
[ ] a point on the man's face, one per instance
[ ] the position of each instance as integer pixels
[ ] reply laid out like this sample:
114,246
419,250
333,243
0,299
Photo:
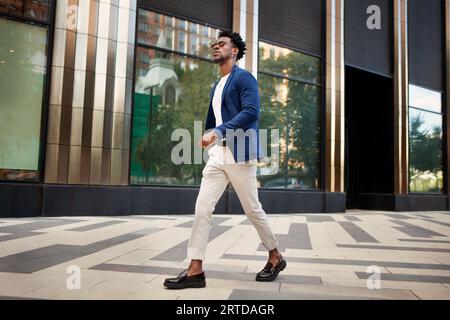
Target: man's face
223,50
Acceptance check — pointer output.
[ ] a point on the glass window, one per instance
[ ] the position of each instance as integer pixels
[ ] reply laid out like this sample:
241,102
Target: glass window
34,9
293,107
23,58
289,63
425,99
425,141
171,91
164,36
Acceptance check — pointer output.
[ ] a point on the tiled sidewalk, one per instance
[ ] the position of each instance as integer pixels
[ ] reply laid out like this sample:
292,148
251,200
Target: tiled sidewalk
129,257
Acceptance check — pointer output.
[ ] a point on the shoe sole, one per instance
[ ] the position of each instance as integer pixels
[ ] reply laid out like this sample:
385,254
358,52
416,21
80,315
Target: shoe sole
282,267
185,286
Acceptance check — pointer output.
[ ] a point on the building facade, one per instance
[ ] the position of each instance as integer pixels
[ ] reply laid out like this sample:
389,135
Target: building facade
93,94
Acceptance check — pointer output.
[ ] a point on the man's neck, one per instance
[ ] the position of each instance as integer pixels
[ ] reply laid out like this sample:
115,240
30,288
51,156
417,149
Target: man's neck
226,67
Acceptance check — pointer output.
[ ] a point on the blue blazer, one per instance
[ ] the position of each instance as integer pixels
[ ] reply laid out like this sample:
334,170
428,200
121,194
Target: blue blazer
240,110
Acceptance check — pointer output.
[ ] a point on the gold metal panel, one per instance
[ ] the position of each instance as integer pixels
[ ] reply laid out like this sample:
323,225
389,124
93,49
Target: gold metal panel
95,166
236,15
74,165
447,102
334,98
400,98
125,172
51,163
124,23
59,47
63,163
113,22
107,129
69,54
81,51
128,96
89,90
99,92
101,59
109,93
103,20
79,89
121,62
119,94
250,54
117,130
76,127
130,61
64,125
126,131
56,85
61,14
83,17
116,166
86,134
132,27
97,129
93,18
111,60
91,53
106,166
67,87
54,118
85,164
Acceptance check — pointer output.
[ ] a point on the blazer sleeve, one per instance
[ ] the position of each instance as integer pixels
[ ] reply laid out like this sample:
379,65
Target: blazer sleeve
249,96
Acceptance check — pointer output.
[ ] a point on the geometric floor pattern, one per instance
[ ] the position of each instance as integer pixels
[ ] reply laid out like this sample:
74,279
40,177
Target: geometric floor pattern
330,256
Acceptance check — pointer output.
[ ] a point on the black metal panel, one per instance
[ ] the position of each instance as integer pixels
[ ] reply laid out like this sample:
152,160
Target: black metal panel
365,48
296,24
276,201
60,200
169,200
215,13
426,43
20,200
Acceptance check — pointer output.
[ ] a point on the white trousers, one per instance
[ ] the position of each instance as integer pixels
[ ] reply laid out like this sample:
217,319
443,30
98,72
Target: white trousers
220,169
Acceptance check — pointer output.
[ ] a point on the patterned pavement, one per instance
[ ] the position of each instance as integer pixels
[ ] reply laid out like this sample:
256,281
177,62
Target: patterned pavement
128,257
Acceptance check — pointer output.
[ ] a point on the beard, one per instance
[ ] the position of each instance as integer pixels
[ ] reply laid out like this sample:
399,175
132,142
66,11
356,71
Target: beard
218,58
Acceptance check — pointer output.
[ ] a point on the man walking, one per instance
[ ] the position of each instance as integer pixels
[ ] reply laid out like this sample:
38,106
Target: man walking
233,153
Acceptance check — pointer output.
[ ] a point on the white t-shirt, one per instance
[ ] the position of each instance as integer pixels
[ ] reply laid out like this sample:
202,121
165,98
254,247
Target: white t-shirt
217,100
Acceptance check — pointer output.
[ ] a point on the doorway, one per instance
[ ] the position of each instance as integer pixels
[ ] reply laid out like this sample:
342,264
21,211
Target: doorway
369,135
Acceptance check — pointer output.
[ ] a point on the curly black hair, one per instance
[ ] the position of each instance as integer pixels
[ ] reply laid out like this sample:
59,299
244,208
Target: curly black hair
236,40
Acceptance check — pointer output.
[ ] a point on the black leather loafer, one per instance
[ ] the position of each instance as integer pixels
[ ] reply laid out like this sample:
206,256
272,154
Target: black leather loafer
184,281
270,273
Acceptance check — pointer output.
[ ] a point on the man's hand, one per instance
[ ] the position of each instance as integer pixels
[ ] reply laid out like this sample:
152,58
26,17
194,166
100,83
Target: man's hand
207,139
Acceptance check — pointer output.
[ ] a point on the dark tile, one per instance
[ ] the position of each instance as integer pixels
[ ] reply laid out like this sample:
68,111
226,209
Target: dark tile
348,262
415,231
357,233
242,276
298,237
420,240
362,246
407,277
96,225
352,218
238,294
319,218
399,216
282,243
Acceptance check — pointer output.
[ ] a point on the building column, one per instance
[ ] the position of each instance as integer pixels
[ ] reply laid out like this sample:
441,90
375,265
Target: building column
401,97
91,92
245,21
334,99
447,93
